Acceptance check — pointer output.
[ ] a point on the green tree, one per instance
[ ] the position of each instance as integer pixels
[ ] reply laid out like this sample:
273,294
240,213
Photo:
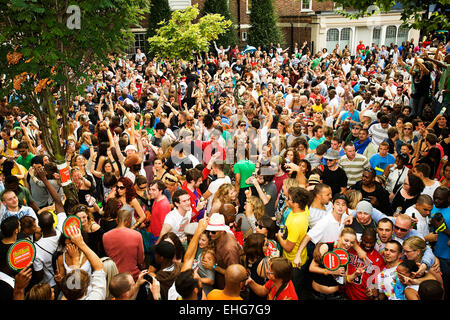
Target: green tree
414,14
185,35
52,46
263,24
228,38
181,37
159,11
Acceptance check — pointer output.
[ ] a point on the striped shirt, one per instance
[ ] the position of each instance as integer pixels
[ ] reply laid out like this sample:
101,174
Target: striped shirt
354,168
378,134
316,214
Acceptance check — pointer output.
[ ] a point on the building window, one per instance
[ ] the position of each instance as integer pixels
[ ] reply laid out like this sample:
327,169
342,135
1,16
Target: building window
402,35
248,4
139,43
391,35
244,36
376,35
306,5
332,39
345,37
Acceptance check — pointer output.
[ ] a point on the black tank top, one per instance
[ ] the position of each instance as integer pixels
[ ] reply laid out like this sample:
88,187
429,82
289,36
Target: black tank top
322,279
253,267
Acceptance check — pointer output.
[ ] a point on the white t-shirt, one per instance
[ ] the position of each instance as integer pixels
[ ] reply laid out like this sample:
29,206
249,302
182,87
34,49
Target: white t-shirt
389,275
213,187
327,229
45,248
396,176
178,222
422,222
429,190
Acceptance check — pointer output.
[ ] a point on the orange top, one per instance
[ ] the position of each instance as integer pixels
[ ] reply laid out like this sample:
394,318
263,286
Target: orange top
219,295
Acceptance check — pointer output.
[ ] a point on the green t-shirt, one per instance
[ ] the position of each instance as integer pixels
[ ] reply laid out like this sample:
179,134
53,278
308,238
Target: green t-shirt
245,168
26,162
315,63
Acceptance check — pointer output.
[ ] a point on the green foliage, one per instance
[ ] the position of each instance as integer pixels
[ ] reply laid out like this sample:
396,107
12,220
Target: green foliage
228,38
37,33
263,23
414,14
180,37
159,11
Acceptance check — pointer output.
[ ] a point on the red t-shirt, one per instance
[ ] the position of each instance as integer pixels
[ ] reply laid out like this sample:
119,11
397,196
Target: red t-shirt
195,196
160,209
279,181
288,293
360,47
125,247
313,96
356,290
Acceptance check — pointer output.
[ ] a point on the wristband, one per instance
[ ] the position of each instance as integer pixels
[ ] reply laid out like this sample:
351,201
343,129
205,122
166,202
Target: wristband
214,266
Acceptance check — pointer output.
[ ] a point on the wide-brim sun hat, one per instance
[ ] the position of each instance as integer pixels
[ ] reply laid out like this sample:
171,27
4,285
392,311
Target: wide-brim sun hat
216,223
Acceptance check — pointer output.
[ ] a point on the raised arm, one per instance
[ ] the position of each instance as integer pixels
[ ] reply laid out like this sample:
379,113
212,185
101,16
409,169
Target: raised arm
192,247
59,207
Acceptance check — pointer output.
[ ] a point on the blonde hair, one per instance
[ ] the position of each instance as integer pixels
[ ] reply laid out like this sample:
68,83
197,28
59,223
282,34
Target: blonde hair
110,268
402,136
290,182
258,207
416,243
40,291
354,196
222,193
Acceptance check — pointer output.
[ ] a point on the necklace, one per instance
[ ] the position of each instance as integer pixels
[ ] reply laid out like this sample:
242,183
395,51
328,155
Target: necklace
397,287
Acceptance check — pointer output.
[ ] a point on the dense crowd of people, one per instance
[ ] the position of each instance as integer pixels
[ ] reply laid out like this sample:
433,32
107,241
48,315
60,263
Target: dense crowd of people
237,176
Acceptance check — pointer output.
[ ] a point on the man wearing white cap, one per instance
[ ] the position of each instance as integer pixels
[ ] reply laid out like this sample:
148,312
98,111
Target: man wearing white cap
130,150
227,248
363,219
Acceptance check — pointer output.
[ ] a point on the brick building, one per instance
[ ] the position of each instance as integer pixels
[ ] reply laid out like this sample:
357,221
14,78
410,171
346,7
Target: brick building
315,22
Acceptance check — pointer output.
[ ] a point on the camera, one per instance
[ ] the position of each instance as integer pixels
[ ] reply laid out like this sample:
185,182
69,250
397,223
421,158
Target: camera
149,278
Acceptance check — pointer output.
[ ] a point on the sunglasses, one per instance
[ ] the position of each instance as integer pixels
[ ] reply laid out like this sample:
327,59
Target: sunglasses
80,209
401,229
211,232
310,125
258,225
121,187
143,186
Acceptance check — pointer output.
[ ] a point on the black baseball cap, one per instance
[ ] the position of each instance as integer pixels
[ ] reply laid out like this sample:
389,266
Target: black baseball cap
340,196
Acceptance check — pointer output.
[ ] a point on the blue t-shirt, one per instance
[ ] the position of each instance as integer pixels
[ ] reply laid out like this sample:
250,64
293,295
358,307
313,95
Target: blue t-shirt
313,142
442,249
349,116
379,162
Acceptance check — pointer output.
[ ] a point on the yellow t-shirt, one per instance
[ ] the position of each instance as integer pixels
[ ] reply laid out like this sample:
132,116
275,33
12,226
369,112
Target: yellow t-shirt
297,226
219,295
11,150
317,107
